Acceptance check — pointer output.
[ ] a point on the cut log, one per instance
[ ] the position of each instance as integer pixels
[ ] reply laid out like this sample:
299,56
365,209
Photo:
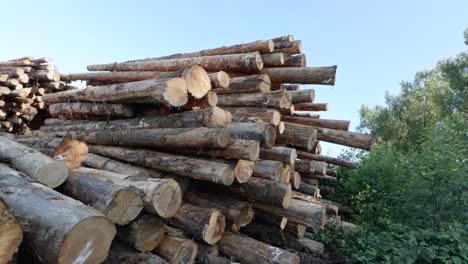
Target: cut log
297,136
243,170
311,107
11,234
319,177
345,138
251,251
189,167
144,233
283,154
237,149
311,167
284,38
297,230
210,259
282,86
332,172
327,159
298,60
237,213
119,204
161,91
121,254
265,191
243,62
268,169
280,100
300,212
197,79
264,133
299,75
302,96
272,117
92,109
104,163
273,59
68,232
295,180
33,163
289,47
206,224
270,219
286,173
176,248
309,189
257,83
324,123
219,79
110,77
210,117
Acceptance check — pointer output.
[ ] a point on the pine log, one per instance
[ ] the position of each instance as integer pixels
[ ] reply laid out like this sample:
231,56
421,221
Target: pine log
196,78
210,117
144,234
283,86
219,79
60,229
206,224
298,60
243,62
311,167
284,38
11,234
330,207
176,248
104,163
257,83
309,181
265,191
297,136
161,91
110,77
345,138
327,159
302,96
251,251
289,47
268,169
300,212
300,75
286,177
264,133
295,180
33,163
324,123
207,101
311,107
319,177
283,154
237,213
270,219
93,109
273,117
121,254
273,59
309,189
237,149
280,100
189,167
297,230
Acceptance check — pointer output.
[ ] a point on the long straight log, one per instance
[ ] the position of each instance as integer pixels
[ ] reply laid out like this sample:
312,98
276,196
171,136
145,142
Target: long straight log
237,149
161,91
113,77
273,59
92,109
283,154
11,233
289,47
144,233
268,169
60,229
250,83
209,117
299,75
279,100
243,62
264,133
122,254
206,224
194,168
311,167
302,96
311,107
324,123
327,159
265,191
251,251
297,136
345,138
272,117
176,248
33,163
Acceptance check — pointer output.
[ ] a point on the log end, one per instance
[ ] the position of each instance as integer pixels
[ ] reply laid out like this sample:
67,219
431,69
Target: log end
283,223
228,177
11,236
89,241
52,174
125,207
243,170
223,79
197,80
218,117
281,127
167,199
175,92
270,46
276,118
186,252
212,98
287,196
270,136
245,216
293,156
223,139
286,100
296,180
149,235
215,228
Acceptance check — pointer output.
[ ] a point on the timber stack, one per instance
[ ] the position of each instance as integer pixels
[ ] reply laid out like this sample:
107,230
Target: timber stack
211,156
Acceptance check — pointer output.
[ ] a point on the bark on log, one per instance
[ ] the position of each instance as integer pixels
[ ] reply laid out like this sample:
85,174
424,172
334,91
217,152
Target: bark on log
161,91
243,62
110,77
189,167
273,59
289,47
237,149
284,38
144,234
270,219
345,138
297,136
311,167
210,259
107,164
206,224
251,251
264,133
268,169
33,163
176,248
121,254
332,172
298,60
11,234
272,117
309,189
93,109
279,100
283,154
265,191
327,159
295,180
311,107
68,232
324,123
119,204
219,79
302,96
299,75
297,230
237,213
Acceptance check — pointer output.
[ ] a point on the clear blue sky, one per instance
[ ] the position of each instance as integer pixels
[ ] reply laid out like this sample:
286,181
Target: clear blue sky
375,44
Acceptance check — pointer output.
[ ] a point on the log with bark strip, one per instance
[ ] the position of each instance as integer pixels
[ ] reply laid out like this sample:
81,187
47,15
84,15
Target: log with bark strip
11,233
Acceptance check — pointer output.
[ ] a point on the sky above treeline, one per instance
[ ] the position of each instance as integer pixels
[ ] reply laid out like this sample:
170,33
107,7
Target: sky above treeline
376,44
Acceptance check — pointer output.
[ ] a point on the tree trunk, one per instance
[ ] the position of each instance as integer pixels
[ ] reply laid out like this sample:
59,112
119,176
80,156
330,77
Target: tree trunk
110,77
271,219
11,234
118,203
280,99
60,229
237,213
93,109
273,59
265,191
161,91
283,154
206,224
33,163
176,248
289,47
324,123
302,96
327,159
251,251
219,79
264,133
144,234
299,75
194,168
272,117
311,167
297,136
121,254
284,38
244,62
311,107
268,169
237,149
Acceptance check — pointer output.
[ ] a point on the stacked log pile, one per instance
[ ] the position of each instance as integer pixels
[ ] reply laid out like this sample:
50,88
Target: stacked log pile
23,82
190,157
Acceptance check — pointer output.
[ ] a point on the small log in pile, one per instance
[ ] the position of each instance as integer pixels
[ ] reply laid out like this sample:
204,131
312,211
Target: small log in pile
195,155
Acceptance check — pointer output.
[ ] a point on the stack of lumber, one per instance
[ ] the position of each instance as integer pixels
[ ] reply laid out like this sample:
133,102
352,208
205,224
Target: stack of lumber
23,82
189,157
